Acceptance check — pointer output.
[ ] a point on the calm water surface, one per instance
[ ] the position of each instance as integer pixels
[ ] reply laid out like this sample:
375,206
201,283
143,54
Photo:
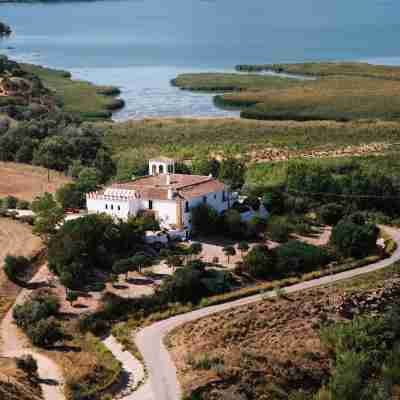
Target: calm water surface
140,45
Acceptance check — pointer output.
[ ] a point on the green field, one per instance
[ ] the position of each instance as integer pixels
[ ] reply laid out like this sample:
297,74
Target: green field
134,142
275,173
342,92
78,97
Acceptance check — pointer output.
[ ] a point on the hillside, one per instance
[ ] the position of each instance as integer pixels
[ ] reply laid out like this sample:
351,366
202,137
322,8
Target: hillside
285,348
27,88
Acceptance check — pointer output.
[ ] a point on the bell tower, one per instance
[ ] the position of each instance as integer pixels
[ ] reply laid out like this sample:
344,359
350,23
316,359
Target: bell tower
161,165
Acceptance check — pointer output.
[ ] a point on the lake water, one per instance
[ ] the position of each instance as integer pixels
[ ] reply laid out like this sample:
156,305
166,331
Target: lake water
140,45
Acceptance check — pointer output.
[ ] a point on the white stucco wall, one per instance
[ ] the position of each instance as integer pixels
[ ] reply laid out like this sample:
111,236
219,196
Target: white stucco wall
165,209
116,208
214,200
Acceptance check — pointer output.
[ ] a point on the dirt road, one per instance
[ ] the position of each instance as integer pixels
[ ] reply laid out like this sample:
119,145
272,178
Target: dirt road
163,384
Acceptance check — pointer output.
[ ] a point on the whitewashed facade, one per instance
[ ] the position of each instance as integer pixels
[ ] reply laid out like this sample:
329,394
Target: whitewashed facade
168,195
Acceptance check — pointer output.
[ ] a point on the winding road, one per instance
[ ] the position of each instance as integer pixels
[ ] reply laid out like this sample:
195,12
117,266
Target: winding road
162,383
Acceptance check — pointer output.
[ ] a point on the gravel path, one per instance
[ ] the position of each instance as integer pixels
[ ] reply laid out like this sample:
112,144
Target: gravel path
15,344
162,383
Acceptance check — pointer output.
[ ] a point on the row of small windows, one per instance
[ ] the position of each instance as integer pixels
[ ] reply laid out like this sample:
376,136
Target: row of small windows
112,207
150,205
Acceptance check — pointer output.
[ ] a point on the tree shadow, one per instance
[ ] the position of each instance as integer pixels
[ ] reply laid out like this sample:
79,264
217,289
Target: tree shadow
80,305
155,276
66,316
64,348
140,281
35,285
49,382
120,287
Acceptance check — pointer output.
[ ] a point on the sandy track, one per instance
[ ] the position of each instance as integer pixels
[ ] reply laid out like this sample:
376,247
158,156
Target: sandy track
163,384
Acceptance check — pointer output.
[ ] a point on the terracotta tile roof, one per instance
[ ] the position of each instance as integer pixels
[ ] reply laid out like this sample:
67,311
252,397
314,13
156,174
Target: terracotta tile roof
187,186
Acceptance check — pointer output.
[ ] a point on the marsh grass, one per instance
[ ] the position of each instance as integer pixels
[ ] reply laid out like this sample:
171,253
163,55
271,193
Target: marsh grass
328,69
133,142
343,92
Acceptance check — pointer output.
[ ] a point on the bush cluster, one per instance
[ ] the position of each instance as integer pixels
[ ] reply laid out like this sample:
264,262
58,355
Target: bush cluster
93,241
366,357
206,221
36,318
354,237
293,258
12,202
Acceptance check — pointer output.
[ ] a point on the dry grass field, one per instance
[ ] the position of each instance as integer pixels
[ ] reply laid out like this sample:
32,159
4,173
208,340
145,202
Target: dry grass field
14,383
267,350
26,181
15,239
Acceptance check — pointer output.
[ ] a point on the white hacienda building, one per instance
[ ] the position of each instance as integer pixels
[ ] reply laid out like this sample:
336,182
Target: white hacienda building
168,195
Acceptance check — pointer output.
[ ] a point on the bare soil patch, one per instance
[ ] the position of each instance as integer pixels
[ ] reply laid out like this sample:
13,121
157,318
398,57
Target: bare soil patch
16,239
26,181
272,349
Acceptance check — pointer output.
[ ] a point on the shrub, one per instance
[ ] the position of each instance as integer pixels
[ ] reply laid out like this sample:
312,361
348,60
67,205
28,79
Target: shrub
27,364
232,223
256,226
204,219
183,286
253,202
353,237
40,306
72,296
15,267
331,213
93,323
229,251
45,332
10,202
23,205
259,262
296,257
27,219
243,247
274,201
36,318
122,267
279,231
